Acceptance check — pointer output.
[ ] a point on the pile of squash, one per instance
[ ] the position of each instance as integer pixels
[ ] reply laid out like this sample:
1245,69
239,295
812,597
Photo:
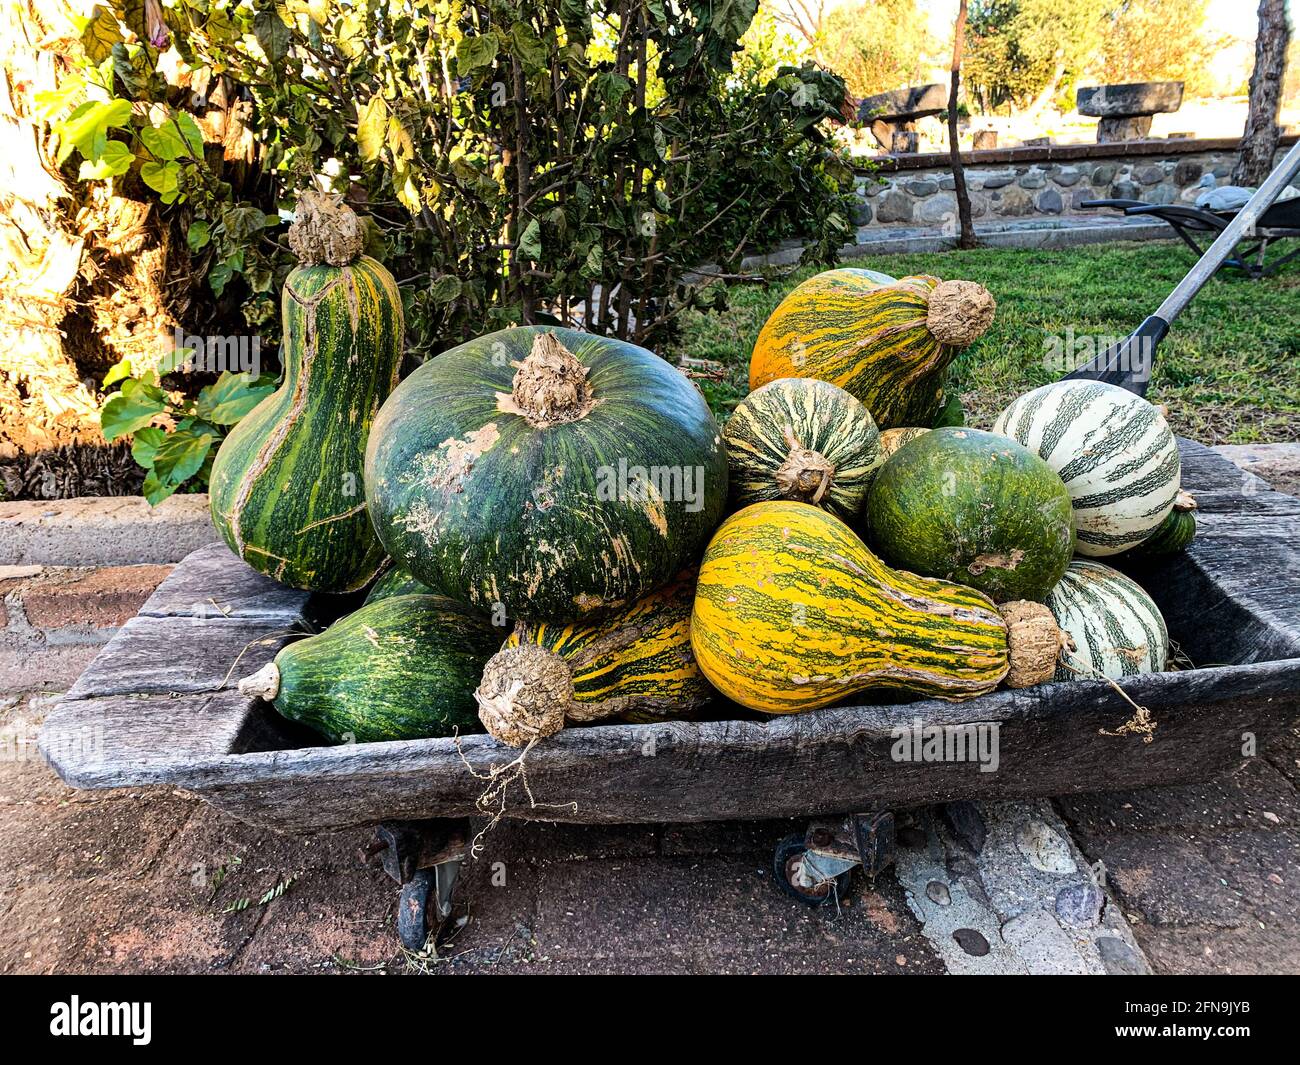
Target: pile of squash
555,531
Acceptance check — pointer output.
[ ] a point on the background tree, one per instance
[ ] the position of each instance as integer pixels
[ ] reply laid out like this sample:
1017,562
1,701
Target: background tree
966,239
875,46
1160,40
1260,137
1025,53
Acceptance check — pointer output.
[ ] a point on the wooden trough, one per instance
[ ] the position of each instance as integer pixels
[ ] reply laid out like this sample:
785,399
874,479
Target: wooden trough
159,705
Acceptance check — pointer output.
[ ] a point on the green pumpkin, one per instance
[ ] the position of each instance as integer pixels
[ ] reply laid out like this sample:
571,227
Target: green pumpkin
396,581
286,489
976,508
1173,534
546,473
398,669
803,439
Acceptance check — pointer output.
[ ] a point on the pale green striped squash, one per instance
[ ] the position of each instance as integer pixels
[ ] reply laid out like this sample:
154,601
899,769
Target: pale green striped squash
1116,628
1114,451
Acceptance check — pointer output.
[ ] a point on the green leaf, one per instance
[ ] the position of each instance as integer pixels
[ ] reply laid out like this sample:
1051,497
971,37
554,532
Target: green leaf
143,445
162,178
445,289
180,455
198,235
595,262
154,491
272,34
190,132
117,372
130,409
530,242
475,53
241,223
221,272
164,142
115,159
372,128
529,48
231,397
86,129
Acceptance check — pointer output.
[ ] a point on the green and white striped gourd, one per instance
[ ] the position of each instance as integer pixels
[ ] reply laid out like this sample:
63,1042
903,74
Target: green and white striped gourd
1114,451
803,439
287,490
1116,628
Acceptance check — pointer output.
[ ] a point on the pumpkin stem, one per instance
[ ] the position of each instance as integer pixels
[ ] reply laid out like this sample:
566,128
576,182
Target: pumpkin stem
523,693
805,475
325,230
264,684
1185,500
551,386
1034,641
959,312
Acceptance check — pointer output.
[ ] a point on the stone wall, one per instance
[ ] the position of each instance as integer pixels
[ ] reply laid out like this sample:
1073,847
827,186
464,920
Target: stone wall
1013,183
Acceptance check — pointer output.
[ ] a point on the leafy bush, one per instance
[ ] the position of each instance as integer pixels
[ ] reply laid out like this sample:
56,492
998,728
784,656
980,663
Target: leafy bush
519,160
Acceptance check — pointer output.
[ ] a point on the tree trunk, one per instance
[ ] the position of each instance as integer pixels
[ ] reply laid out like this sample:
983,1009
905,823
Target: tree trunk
966,239
1260,137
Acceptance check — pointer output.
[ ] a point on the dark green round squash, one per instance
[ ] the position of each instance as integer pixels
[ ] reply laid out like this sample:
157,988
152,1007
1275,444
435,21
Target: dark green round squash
399,669
1173,534
976,508
547,472
394,582
803,439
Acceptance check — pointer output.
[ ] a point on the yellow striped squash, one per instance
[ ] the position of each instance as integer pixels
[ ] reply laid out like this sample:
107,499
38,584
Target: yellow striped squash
803,439
636,664
888,344
794,612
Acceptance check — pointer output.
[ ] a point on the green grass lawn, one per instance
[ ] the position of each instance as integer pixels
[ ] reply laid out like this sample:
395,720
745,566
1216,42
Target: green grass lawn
1229,371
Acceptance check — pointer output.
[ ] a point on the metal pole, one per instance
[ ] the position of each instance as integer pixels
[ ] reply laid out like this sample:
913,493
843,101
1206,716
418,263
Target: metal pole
1242,225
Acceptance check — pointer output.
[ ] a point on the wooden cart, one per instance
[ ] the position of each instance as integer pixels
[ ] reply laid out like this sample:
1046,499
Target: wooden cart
160,706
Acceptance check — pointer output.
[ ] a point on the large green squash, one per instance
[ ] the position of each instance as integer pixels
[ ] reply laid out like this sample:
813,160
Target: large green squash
547,473
398,669
803,439
976,508
286,490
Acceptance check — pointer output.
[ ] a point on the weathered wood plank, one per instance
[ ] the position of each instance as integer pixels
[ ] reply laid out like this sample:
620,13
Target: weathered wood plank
214,582
184,655
1049,743
115,741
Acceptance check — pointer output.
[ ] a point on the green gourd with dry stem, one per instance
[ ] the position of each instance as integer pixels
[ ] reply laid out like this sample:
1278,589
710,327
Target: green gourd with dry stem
286,490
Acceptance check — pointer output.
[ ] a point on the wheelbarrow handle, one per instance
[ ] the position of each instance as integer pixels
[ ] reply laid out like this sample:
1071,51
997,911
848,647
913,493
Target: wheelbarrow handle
1128,363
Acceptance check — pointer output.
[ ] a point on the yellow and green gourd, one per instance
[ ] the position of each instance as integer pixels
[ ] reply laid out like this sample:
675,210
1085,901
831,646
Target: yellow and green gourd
794,612
636,665
287,490
886,342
